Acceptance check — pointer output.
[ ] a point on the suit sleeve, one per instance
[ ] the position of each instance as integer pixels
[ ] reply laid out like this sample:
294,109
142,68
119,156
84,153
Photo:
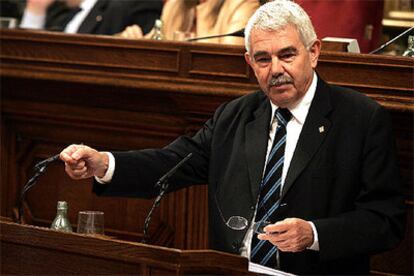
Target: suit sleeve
136,172
376,223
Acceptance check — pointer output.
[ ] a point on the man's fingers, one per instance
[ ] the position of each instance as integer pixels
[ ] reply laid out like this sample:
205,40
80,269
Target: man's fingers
82,152
280,226
73,156
71,173
82,161
291,234
74,153
76,173
284,242
77,165
67,154
80,172
132,32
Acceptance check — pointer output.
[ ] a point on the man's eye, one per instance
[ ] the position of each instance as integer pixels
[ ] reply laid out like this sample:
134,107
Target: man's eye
287,56
263,60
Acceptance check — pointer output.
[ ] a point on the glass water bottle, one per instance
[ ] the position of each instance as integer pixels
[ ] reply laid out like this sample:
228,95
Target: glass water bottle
410,49
158,34
61,221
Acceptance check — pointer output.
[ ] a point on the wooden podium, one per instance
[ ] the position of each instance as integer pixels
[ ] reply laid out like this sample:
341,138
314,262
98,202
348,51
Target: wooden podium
40,251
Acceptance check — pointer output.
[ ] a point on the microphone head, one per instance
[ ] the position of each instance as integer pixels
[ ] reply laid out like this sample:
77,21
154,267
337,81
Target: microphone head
239,33
46,162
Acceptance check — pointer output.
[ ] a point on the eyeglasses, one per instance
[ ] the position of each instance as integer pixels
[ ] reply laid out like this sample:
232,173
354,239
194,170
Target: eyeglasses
240,223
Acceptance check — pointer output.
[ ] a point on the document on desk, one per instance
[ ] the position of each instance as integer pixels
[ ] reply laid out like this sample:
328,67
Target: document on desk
264,270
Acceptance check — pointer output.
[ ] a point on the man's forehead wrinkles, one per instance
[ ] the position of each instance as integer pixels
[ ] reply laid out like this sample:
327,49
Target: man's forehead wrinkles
288,49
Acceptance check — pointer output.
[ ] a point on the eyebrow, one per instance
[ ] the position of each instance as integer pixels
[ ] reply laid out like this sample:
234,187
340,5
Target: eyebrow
288,50
281,51
260,53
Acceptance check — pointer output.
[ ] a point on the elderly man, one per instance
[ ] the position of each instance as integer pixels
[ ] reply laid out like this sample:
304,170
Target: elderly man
313,163
105,17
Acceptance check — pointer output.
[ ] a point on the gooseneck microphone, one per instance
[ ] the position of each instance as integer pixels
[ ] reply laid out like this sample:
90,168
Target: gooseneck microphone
39,169
239,33
46,162
383,46
163,184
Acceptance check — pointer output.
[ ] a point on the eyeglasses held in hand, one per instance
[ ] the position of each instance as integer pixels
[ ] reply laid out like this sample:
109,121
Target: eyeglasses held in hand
239,223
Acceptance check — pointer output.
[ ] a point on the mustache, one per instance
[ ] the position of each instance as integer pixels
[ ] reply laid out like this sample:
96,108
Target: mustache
280,80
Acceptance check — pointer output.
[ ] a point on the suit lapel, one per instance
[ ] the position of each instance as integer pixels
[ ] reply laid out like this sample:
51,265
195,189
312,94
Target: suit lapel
94,18
313,133
257,132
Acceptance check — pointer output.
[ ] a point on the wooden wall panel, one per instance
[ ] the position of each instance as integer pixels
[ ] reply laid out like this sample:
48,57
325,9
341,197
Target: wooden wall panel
116,94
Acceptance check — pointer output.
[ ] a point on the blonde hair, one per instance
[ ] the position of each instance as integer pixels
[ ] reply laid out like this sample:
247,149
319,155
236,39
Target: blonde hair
179,15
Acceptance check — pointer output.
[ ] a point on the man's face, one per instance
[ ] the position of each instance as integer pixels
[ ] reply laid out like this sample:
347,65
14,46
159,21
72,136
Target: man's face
282,64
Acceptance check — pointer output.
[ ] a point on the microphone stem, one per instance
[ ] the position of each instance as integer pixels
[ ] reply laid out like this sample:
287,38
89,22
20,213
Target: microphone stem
26,188
163,184
205,37
391,41
154,205
39,169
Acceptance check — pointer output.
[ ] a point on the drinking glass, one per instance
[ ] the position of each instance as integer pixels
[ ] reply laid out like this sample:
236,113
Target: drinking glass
91,222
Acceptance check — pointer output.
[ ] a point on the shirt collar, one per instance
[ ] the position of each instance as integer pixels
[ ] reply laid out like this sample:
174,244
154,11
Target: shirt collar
87,5
300,111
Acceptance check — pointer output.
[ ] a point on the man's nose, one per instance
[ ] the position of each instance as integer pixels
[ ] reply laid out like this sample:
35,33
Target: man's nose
277,67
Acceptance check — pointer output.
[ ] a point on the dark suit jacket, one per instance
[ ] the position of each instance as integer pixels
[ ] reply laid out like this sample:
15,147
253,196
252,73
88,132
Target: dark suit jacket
345,178
107,17
11,8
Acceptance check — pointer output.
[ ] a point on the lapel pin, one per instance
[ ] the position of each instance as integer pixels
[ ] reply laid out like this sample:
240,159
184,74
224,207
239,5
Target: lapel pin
98,18
321,129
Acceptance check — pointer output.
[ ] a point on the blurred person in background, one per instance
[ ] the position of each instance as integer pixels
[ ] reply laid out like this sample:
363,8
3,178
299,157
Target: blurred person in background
105,17
11,8
203,18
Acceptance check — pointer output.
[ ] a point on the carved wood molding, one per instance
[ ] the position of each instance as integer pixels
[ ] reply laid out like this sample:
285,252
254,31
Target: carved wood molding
185,68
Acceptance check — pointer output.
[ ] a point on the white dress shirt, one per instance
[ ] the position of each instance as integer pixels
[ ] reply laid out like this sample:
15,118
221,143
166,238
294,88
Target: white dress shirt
293,130
36,21
32,21
73,26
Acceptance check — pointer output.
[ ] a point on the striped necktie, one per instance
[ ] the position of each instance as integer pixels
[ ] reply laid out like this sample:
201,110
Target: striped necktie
263,252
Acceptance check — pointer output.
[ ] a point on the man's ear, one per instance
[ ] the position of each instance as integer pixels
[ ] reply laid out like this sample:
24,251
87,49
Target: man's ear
314,52
247,58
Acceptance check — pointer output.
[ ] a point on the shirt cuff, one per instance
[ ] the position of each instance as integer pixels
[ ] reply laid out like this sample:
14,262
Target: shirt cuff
32,21
109,172
315,244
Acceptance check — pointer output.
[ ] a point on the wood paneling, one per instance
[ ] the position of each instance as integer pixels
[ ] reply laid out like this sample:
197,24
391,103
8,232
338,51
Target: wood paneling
39,251
116,94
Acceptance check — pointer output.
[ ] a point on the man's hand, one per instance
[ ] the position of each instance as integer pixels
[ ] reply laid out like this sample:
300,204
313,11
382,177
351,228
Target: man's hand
38,7
289,235
132,32
84,162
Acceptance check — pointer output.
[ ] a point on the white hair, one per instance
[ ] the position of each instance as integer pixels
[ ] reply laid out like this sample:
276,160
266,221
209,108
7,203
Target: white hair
277,14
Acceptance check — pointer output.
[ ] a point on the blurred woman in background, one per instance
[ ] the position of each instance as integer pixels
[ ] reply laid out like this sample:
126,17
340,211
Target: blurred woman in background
203,18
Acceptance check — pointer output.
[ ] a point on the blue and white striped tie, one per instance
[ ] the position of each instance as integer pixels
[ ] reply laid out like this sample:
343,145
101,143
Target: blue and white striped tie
263,252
